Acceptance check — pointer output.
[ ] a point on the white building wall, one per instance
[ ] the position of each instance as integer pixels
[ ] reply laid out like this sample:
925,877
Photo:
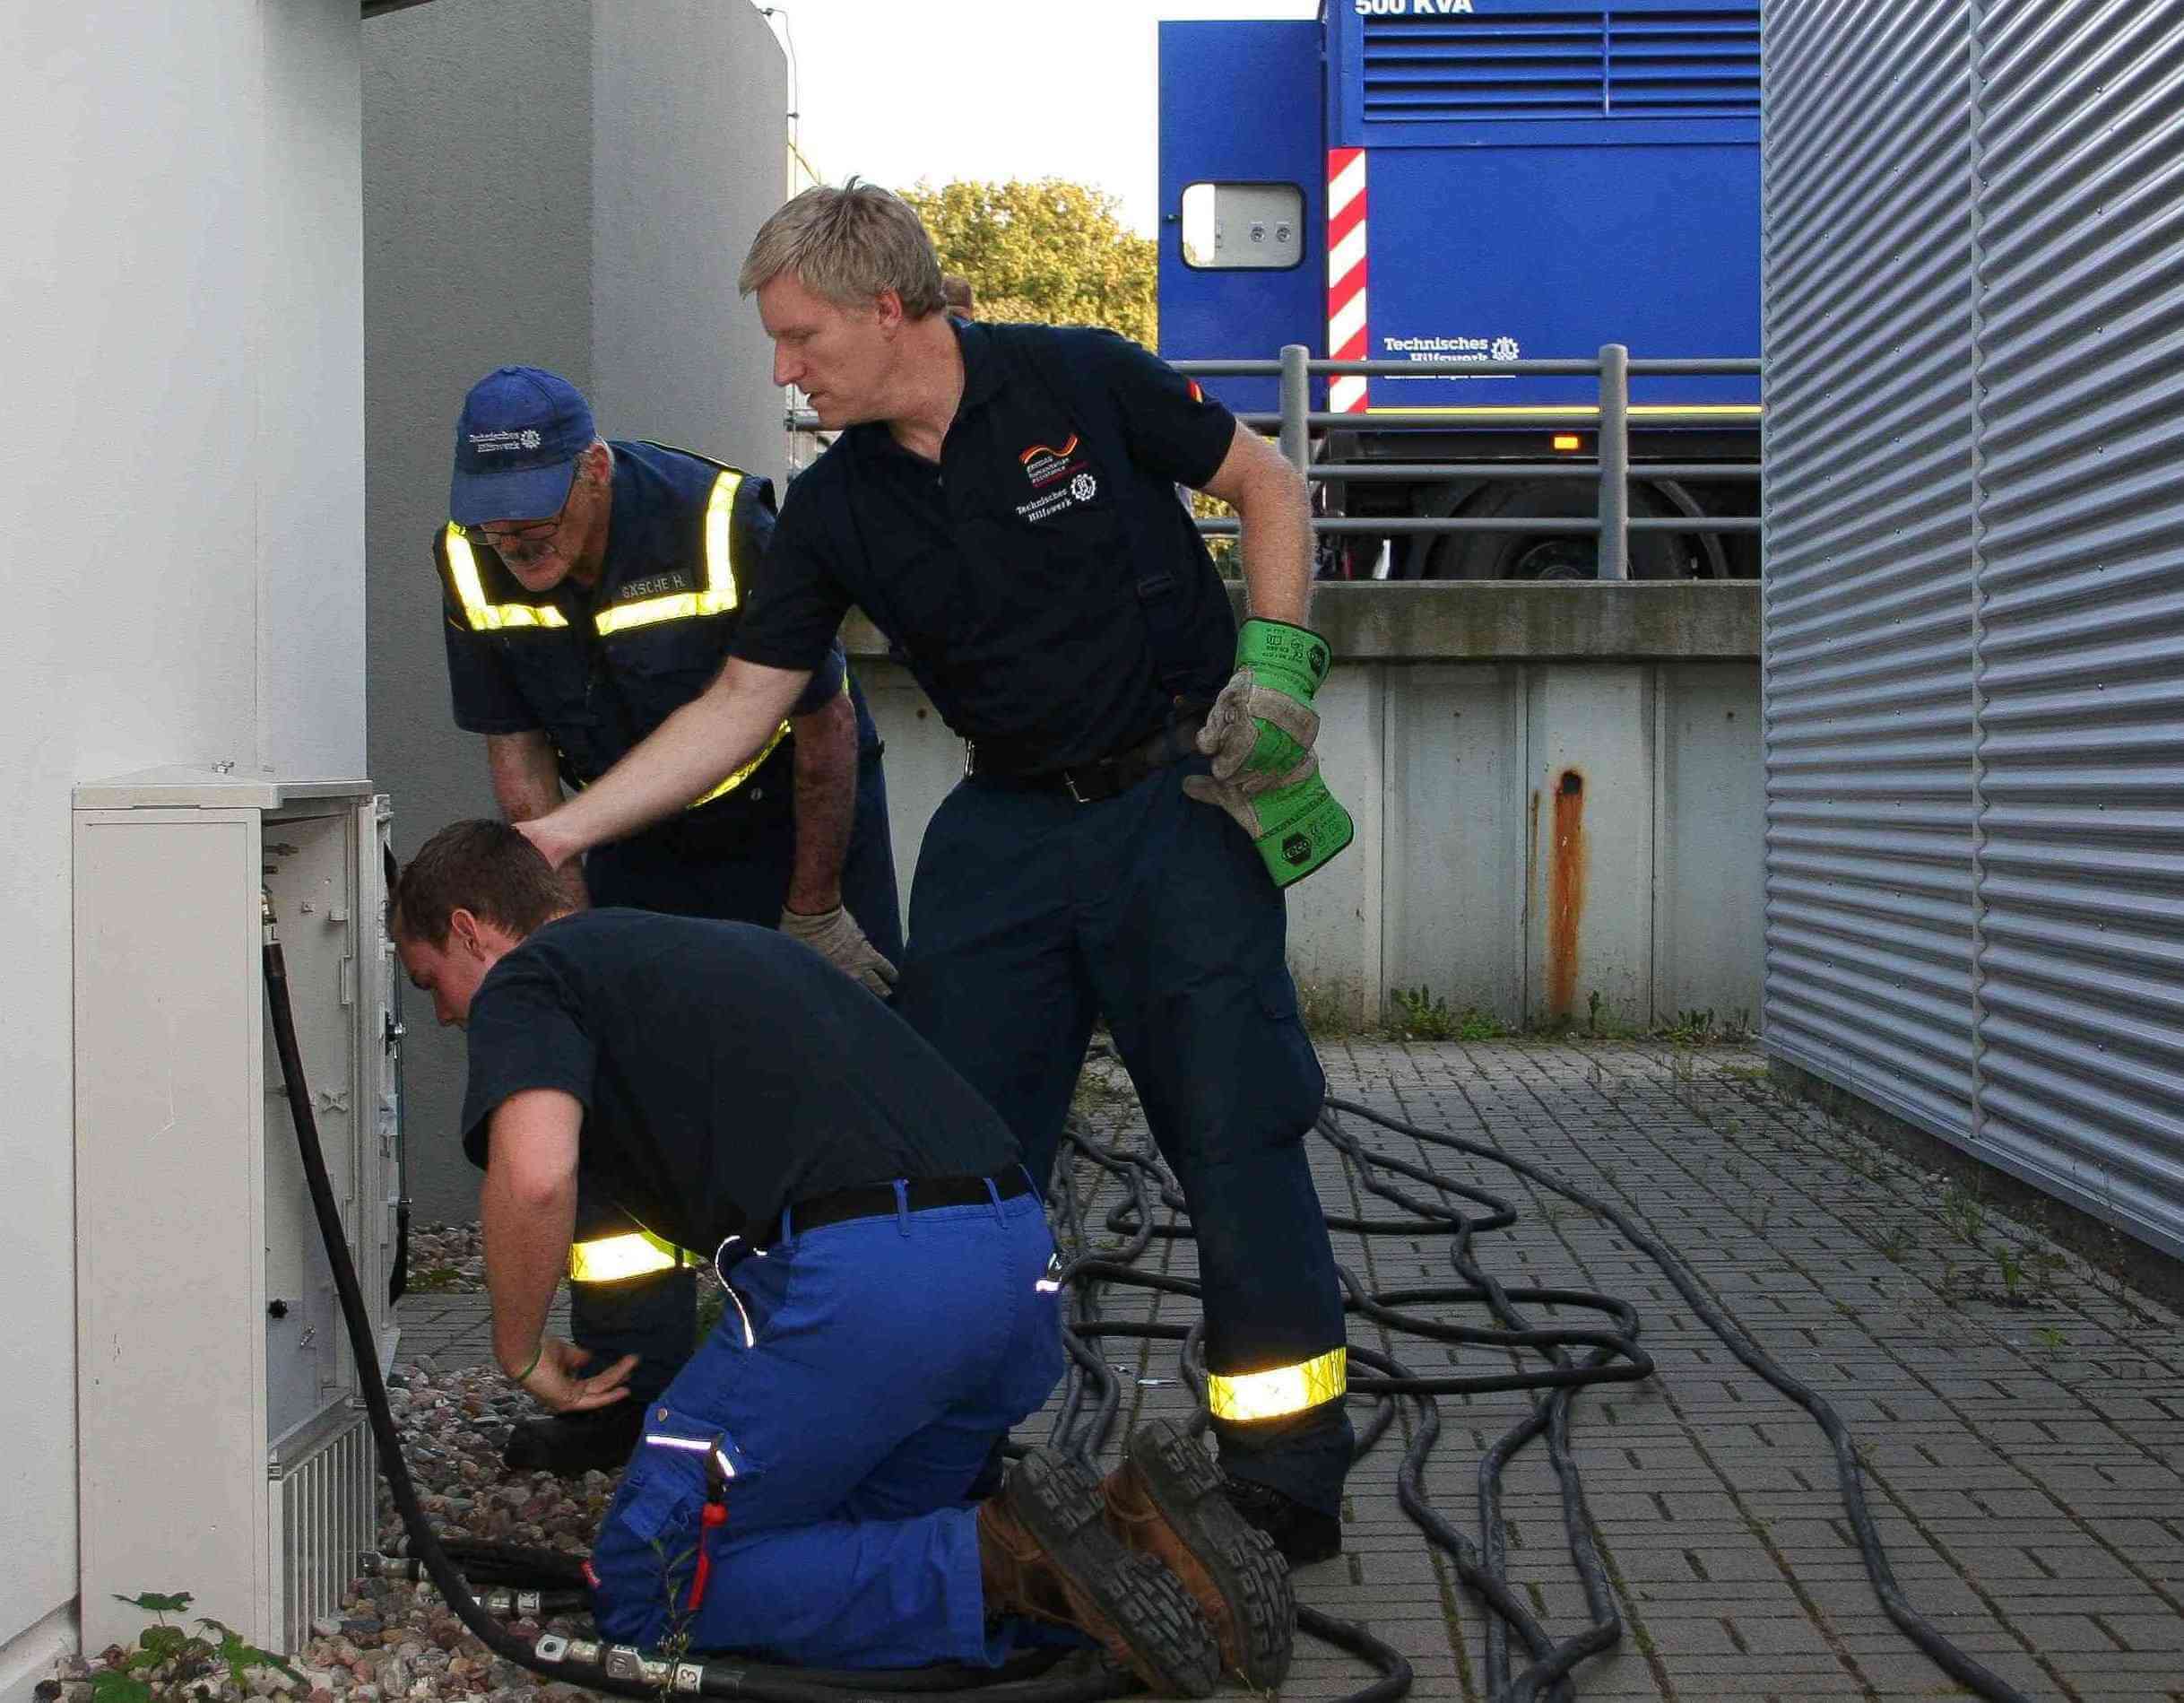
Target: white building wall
594,228
691,102
180,289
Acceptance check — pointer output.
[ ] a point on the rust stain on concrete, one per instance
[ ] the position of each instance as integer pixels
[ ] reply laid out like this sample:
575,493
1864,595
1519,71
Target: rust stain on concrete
1565,892
1531,863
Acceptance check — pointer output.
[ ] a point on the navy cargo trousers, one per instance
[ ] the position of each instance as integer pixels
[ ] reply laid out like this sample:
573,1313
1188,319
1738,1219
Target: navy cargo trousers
1031,916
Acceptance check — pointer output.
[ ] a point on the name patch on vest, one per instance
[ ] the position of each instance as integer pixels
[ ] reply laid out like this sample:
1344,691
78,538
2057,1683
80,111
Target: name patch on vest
654,586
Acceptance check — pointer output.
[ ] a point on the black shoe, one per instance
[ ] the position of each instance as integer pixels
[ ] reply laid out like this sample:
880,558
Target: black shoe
1303,1534
570,1444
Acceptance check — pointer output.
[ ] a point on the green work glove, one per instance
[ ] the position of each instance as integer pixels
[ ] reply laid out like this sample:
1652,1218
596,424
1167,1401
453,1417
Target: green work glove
1260,728
1260,734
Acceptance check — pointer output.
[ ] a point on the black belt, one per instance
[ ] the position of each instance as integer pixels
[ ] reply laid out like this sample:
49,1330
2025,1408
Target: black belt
1103,777
877,1200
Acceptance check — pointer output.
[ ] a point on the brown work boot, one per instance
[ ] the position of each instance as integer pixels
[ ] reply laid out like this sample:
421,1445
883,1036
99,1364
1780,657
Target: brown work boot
1044,1551
1165,1501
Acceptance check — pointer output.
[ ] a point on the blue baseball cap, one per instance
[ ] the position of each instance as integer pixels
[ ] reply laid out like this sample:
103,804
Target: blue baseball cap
516,446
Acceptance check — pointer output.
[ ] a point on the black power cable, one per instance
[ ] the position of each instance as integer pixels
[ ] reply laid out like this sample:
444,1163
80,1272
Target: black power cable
1850,1476
1612,1355
1609,1356
1092,1401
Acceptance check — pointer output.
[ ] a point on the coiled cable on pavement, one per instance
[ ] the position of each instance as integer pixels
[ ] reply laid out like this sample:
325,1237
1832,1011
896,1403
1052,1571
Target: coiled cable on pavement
1602,1356
1850,1476
525,1581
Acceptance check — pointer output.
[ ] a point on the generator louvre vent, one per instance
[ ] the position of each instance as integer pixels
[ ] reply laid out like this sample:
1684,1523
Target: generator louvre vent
1682,64
324,1516
1544,65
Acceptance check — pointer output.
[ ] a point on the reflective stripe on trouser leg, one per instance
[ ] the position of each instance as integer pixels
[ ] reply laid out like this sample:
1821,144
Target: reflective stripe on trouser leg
1279,1391
610,1259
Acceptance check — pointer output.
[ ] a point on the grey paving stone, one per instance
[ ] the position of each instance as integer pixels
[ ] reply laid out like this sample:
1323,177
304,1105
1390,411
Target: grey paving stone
2025,1468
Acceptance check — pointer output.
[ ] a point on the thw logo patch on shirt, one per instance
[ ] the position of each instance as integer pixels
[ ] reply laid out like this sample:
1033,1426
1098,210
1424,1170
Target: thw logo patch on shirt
1060,479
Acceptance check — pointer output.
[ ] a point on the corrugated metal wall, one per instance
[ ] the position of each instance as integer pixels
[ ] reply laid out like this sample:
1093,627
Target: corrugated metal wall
1973,670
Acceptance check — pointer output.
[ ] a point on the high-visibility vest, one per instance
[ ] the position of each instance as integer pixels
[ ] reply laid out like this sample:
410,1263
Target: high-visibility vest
484,597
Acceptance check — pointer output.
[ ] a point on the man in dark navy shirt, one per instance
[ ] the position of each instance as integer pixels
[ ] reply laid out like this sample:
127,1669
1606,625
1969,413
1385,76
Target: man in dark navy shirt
1000,502
801,1488
589,590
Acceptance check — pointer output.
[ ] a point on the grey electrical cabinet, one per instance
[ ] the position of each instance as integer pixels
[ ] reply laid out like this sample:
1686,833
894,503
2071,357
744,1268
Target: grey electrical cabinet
224,1450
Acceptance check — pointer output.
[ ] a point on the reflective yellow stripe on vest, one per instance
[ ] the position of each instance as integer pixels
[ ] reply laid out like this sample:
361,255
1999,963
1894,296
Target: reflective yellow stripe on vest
486,617
718,596
611,1258
1282,1391
744,773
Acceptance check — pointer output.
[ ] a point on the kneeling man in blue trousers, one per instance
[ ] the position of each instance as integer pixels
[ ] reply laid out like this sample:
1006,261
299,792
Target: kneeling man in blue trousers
801,1490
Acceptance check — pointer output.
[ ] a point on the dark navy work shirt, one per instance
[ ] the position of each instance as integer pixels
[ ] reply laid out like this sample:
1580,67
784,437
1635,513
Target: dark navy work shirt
725,1070
1016,577
595,695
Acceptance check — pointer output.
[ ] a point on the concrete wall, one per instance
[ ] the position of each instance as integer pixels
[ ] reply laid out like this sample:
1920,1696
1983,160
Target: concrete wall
181,292
1557,789
591,221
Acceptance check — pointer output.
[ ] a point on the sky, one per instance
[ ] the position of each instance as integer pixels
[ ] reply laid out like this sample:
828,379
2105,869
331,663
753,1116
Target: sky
902,89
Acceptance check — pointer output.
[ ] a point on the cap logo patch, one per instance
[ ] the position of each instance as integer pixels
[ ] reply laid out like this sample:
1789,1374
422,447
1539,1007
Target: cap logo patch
497,443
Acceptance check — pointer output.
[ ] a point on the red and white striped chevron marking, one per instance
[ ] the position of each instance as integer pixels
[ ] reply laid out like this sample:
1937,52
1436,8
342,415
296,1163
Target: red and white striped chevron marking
1345,274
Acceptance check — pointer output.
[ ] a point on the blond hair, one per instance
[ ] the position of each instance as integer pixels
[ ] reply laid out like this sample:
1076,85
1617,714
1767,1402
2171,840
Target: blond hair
847,245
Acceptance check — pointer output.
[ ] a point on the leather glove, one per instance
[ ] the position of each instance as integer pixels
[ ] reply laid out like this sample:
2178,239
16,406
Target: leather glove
1259,734
835,936
1261,729
1296,827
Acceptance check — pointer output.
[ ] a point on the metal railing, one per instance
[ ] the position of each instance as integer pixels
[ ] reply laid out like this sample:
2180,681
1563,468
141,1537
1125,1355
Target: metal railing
1294,423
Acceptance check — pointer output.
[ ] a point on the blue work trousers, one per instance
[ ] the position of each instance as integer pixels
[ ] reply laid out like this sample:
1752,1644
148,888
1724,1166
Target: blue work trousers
656,1316
860,1374
1030,916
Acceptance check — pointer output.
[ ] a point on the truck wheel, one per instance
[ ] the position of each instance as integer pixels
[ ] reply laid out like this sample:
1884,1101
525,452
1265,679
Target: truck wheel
1516,555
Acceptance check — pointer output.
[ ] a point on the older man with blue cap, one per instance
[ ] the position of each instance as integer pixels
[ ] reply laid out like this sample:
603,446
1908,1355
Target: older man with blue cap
590,589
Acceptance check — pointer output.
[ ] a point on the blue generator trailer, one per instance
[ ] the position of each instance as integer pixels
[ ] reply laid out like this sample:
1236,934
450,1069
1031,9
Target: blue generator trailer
1472,181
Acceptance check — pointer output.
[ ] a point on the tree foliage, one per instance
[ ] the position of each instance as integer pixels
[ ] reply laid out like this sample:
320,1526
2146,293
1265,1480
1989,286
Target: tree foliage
1050,251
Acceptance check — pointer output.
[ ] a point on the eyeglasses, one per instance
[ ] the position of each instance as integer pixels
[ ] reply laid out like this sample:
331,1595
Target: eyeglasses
517,532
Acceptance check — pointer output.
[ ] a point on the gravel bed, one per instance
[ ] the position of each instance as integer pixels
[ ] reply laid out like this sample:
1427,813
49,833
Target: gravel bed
388,1641
447,1259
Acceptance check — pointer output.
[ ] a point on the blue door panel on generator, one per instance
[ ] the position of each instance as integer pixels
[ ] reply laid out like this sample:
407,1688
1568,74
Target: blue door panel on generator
1241,103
